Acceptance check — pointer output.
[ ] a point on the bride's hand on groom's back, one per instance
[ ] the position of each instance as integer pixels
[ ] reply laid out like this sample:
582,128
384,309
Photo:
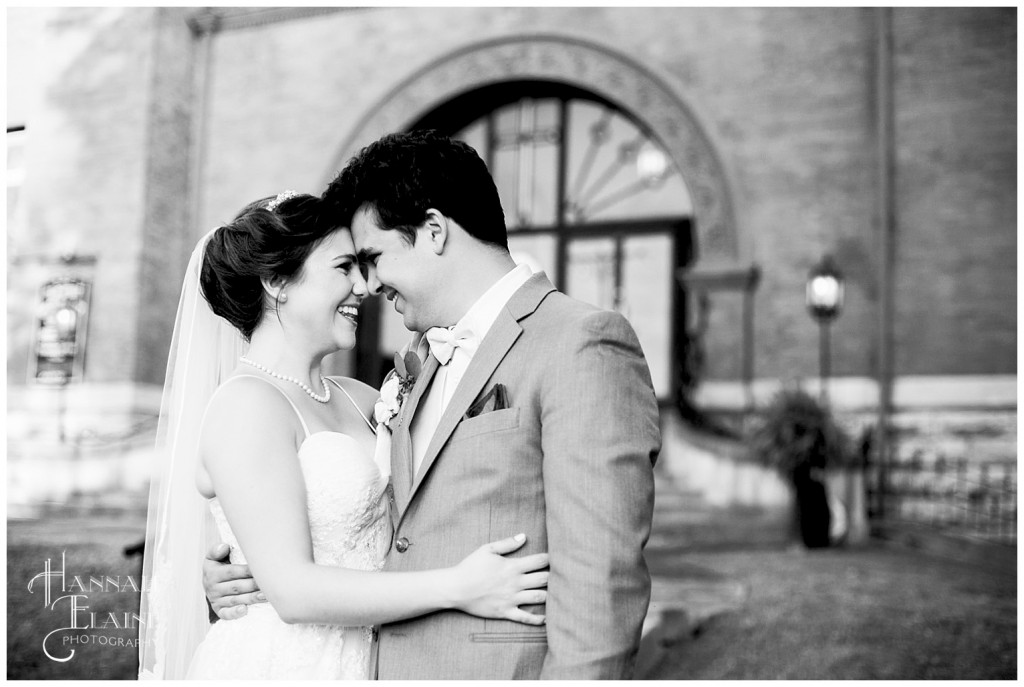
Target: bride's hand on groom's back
488,584
229,588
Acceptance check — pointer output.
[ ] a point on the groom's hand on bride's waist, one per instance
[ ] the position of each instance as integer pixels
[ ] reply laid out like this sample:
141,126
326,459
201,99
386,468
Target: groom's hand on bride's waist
229,588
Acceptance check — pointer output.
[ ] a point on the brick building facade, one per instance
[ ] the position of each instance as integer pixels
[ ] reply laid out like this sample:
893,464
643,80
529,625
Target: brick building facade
144,127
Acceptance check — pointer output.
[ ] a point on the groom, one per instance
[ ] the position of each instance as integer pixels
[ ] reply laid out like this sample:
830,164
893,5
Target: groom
533,413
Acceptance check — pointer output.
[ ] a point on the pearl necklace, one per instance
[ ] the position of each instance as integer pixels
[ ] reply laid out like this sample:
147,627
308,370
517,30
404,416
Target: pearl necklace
319,399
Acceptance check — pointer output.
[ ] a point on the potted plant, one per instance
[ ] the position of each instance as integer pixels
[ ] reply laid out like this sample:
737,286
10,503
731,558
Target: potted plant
799,438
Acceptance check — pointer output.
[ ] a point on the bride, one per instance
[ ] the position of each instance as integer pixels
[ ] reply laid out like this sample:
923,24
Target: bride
264,453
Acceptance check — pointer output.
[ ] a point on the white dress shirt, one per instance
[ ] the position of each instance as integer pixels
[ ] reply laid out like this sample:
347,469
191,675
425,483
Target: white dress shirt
477,319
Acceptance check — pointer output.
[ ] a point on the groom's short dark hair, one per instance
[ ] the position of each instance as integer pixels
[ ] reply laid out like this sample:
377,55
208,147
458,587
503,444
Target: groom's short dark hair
401,176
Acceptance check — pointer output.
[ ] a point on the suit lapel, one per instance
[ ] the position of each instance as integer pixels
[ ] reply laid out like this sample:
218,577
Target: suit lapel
500,338
401,449
493,348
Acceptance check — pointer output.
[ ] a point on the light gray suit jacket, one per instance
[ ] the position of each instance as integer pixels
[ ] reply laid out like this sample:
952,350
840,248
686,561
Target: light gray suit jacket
569,463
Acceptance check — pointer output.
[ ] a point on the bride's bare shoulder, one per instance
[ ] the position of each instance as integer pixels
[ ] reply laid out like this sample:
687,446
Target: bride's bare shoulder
250,429
248,407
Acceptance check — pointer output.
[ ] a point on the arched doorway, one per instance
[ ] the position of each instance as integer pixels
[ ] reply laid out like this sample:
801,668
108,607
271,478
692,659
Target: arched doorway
590,197
598,70
454,91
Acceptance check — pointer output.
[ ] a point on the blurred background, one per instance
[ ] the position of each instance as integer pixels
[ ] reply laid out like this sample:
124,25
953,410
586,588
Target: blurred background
808,215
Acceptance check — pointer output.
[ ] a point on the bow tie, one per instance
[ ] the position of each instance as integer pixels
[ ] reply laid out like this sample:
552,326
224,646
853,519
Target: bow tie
443,342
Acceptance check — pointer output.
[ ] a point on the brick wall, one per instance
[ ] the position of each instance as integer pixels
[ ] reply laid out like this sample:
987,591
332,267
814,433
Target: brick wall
783,94
786,96
956,182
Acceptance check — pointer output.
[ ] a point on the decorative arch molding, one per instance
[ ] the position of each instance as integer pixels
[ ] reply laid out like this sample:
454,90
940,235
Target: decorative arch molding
586,65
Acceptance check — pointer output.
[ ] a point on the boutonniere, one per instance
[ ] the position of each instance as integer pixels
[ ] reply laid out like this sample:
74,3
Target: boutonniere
396,387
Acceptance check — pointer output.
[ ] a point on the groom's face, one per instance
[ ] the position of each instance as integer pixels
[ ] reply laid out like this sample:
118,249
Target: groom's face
404,273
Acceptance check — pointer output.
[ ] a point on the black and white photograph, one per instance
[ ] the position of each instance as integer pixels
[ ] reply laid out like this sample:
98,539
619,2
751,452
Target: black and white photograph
511,342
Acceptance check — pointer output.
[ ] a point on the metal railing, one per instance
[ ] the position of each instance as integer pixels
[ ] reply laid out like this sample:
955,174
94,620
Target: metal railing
971,498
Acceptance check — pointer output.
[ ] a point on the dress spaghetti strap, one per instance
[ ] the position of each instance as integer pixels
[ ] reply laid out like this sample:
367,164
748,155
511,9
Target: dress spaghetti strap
354,404
305,428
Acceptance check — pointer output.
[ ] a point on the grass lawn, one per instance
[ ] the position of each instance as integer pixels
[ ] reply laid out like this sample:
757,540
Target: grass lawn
93,548
864,614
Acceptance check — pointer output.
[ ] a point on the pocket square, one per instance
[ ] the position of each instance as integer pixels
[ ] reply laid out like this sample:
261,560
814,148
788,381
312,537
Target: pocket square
495,399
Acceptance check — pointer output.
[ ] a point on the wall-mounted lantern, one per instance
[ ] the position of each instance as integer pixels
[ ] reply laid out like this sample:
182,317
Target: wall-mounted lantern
59,351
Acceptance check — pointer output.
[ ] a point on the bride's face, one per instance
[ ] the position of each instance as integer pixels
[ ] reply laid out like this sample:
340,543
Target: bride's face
324,297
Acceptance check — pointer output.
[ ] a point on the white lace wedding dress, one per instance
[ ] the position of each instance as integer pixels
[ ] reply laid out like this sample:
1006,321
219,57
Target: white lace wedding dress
351,527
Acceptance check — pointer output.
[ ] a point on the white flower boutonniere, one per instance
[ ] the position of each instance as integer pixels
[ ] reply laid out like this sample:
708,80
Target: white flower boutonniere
390,402
396,388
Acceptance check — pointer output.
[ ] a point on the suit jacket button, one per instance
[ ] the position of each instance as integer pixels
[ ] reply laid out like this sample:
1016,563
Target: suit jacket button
402,545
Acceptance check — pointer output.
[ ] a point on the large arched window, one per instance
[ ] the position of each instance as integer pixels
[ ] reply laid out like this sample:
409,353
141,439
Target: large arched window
590,197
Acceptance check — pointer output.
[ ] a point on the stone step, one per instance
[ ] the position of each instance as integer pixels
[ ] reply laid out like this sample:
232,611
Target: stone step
670,503
700,598
679,608
670,487
670,522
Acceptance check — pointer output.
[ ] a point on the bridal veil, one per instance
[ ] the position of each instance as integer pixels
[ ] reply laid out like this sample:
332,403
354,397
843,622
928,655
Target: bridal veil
204,351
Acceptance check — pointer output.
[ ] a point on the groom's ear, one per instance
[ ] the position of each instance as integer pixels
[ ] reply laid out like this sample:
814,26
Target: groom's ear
438,228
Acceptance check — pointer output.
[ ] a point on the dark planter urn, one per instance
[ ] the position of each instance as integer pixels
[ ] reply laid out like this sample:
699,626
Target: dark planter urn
812,514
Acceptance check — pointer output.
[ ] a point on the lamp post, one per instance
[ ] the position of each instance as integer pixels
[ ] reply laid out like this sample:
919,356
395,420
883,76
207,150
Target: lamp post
824,301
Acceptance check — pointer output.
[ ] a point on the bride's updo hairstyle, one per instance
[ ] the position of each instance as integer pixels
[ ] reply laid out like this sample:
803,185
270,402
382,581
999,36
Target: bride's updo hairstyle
270,238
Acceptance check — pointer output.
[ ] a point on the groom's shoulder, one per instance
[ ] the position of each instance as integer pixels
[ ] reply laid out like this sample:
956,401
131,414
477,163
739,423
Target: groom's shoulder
562,316
571,310
558,304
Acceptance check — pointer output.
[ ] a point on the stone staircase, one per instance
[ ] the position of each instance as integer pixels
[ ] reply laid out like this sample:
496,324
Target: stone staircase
684,596
690,520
